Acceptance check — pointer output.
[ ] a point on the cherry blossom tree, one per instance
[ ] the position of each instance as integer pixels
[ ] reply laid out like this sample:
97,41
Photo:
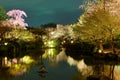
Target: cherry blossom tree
112,5
17,18
62,31
3,17
23,35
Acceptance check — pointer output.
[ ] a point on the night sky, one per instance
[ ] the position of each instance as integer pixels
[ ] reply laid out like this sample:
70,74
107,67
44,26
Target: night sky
46,11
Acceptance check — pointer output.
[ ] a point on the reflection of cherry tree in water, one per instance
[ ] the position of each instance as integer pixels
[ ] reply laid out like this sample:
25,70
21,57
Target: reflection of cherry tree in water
9,50
101,72
13,49
42,70
111,75
98,69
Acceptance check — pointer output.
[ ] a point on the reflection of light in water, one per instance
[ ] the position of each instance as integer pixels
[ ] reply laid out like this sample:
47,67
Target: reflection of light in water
61,56
5,43
83,68
117,68
15,60
17,70
27,59
71,61
50,53
117,73
6,60
51,43
54,55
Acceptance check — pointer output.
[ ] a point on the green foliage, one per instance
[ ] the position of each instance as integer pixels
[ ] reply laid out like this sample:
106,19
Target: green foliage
4,30
20,34
98,25
49,25
3,15
84,48
38,31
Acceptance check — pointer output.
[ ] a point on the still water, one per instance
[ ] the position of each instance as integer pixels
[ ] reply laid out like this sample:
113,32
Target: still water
56,65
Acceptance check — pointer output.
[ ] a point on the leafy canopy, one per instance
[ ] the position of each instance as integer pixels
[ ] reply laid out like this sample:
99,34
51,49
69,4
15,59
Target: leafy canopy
3,15
99,24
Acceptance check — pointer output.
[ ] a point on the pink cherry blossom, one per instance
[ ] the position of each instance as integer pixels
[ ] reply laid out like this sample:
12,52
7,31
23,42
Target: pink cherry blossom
17,18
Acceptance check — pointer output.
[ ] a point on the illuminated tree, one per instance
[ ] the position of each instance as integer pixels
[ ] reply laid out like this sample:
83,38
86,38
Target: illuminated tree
100,21
88,3
23,35
99,26
3,27
112,5
3,31
63,31
59,31
16,19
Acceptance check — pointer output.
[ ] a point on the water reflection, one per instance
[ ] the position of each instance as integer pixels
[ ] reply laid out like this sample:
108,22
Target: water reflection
97,71
42,70
15,66
55,64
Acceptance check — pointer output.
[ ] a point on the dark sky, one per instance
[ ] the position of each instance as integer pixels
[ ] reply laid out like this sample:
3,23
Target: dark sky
45,11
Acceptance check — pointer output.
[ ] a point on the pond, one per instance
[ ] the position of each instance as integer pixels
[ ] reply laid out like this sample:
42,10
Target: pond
55,64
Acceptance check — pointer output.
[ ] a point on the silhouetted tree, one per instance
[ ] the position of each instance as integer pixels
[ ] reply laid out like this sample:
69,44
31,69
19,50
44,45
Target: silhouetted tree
49,25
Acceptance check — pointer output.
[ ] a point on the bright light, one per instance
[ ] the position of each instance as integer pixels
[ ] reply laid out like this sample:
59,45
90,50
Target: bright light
17,70
52,33
5,43
63,42
83,68
100,51
72,41
6,60
52,43
71,61
27,59
50,53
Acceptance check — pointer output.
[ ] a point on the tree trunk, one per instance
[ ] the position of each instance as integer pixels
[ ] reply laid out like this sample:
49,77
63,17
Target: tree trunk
112,72
101,47
112,43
